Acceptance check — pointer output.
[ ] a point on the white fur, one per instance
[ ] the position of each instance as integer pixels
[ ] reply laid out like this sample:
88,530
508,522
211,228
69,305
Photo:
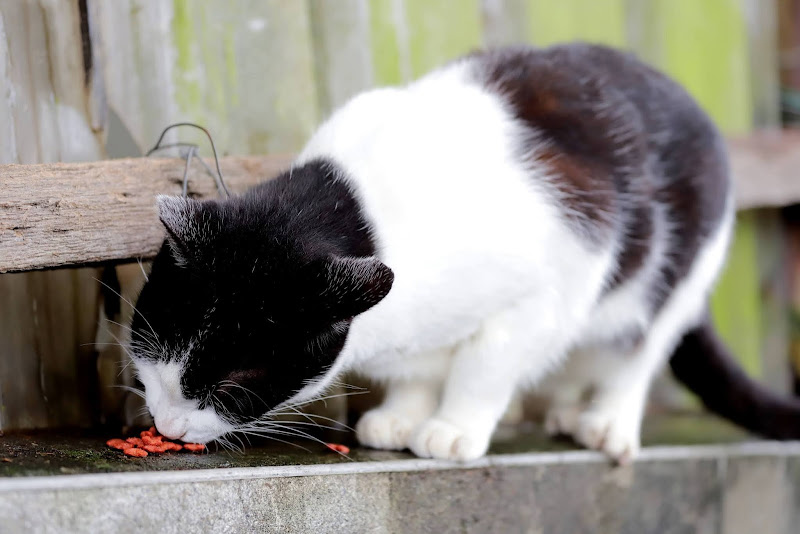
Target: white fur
492,290
175,416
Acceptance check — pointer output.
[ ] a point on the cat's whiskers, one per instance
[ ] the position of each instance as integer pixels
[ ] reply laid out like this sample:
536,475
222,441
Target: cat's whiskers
130,389
134,308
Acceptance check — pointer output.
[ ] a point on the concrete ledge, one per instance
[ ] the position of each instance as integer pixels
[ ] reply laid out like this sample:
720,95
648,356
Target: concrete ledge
745,487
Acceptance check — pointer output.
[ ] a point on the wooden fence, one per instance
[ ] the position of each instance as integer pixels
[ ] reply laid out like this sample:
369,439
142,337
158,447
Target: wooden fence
87,80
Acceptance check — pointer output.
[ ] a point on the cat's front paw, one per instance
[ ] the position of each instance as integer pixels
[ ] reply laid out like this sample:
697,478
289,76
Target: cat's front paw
384,429
615,434
441,439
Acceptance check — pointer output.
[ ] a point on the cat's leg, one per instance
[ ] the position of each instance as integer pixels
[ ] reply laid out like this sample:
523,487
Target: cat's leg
413,387
510,347
564,406
406,404
565,390
611,420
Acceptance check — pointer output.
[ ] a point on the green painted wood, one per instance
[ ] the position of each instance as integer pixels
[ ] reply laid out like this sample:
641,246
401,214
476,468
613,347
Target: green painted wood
736,303
245,69
389,41
596,21
505,22
342,55
412,37
706,47
441,31
771,236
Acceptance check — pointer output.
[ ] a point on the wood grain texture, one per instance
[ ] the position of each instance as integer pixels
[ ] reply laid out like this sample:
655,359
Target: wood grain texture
48,100
54,215
766,169
71,214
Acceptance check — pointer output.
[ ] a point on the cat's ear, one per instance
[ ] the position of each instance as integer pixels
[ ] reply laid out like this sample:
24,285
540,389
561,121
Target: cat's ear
183,218
354,285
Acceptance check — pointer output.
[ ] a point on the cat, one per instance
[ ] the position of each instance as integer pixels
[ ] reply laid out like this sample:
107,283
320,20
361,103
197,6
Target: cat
518,218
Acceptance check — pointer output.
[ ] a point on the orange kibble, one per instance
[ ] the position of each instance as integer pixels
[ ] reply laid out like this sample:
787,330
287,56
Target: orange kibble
150,440
344,449
135,441
135,451
194,447
153,431
155,449
120,444
170,446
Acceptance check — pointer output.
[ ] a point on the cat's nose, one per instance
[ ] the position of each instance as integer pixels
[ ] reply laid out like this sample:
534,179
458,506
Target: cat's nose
171,427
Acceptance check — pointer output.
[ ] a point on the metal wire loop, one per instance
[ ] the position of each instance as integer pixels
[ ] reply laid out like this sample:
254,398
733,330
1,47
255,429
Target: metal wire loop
193,150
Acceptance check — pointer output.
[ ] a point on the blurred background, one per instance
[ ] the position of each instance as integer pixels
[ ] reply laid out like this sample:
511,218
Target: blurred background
89,79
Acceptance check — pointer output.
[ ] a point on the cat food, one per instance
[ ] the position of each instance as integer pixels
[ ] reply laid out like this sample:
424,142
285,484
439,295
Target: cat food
151,442
120,444
344,449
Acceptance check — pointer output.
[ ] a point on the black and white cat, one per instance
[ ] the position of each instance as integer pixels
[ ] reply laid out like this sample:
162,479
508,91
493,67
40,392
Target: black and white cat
518,218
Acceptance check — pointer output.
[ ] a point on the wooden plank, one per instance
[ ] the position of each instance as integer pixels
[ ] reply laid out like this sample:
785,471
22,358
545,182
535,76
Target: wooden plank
505,22
595,21
412,37
70,214
766,168
342,58
48,104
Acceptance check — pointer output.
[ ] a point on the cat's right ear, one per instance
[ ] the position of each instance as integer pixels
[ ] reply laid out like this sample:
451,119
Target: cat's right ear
181,217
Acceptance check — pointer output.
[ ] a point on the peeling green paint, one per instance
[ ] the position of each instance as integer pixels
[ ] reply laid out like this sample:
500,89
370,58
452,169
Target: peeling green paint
188,93
736,303
231,73
441,31
385,42
596,21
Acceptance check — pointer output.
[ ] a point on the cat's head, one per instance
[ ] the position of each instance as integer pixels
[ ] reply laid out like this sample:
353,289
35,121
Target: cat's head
239,317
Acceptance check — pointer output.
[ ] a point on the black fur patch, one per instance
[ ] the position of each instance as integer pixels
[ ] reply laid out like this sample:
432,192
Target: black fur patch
259,290
619,139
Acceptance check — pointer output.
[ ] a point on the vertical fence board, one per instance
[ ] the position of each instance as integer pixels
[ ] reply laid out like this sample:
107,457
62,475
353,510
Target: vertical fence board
771,236
505,22
47,319
412,37
8,139
342,55
704,46
596,21
441,31
389,42
136,53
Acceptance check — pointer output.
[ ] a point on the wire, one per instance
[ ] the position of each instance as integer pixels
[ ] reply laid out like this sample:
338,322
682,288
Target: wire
193,149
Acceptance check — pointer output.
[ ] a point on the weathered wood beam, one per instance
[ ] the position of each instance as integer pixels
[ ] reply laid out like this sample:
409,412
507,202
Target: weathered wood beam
766,169
52,215
61,214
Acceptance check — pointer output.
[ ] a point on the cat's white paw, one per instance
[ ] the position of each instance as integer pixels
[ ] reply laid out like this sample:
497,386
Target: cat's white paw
562,420
384,429
437,438
614,433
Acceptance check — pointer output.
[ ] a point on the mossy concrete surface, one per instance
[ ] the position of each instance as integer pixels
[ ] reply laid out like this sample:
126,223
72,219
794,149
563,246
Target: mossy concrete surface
731,484
74,452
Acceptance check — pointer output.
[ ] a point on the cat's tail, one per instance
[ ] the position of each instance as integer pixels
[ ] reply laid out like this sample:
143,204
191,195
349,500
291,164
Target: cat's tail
704,364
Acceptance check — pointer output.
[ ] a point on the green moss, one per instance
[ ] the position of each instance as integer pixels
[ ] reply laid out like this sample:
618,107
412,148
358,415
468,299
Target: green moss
188,94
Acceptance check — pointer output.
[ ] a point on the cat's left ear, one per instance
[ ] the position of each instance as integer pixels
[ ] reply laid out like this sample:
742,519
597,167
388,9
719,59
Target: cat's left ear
354,285
184,220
